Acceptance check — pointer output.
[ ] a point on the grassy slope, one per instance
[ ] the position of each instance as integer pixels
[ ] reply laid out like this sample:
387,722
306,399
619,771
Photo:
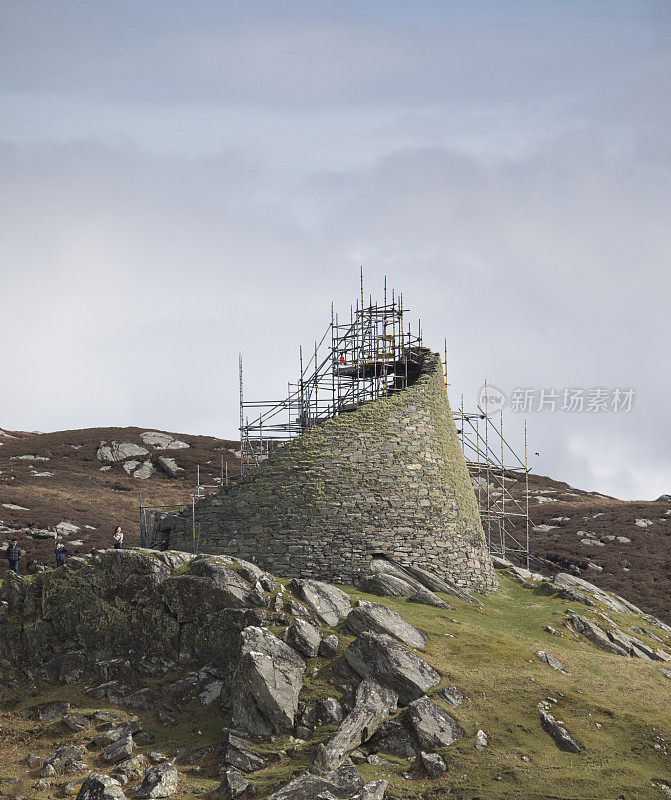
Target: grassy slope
490,659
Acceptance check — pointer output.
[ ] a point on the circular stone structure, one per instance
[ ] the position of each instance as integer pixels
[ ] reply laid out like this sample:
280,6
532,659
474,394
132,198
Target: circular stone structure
387,479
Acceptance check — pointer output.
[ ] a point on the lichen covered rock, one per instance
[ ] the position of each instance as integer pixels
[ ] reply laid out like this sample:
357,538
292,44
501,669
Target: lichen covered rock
377,656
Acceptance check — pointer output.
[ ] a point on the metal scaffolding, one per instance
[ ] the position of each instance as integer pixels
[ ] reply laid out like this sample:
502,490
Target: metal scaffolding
499,476
370,355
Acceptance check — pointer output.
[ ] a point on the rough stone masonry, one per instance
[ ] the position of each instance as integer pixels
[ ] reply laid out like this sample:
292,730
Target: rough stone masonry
387,479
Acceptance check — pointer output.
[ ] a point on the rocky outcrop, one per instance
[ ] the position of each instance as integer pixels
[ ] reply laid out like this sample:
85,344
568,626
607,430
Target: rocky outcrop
373,655
555,663
268,679
345,782
119,750
100,787
432,726
162,441
304,637
169,466
372,791
615,640
386,585
373,705
393,737
327,602
560,735
113,451
233,783
376,618
219,631
390,579
610,600
595,634
418,578
451,695
236,751
160,781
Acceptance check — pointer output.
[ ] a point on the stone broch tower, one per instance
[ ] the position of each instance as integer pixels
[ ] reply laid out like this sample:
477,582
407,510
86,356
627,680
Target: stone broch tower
389,478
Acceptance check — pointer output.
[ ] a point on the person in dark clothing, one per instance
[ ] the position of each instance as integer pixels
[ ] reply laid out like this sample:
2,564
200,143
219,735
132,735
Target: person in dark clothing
60,553
13,554
118,538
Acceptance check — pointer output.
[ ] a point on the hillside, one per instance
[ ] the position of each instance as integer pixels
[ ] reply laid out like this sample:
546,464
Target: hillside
47,479
526,694
622,546
618,545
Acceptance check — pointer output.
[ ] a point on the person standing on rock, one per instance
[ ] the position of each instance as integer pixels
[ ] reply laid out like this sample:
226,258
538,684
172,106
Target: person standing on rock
60,553
13,553
118,538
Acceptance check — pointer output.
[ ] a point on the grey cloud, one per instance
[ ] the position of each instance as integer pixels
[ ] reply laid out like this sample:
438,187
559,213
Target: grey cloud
149,231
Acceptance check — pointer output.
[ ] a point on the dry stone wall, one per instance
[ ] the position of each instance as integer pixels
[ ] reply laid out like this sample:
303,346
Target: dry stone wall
389,478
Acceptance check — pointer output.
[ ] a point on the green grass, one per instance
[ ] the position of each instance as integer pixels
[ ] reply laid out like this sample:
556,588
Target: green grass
617,709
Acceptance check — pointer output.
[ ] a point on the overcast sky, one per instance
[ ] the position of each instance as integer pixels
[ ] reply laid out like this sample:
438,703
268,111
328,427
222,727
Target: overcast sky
183,181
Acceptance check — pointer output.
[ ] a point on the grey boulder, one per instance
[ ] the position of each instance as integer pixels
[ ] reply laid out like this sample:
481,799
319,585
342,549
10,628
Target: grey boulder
329,603
432,726
595,634
159,781
394,738
329,712
100,787
64,757
131,769
328,646
386,585
374,703
373,655
119,750
433,764
428,598
119,452
612,601
233,783
76,722
436,584
169,466
52,711
298,610
235,751
424,583
451,695
227,581
372,791
635,647
481,740
268,680
560,735
377,618
305,638
342,783
555,663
